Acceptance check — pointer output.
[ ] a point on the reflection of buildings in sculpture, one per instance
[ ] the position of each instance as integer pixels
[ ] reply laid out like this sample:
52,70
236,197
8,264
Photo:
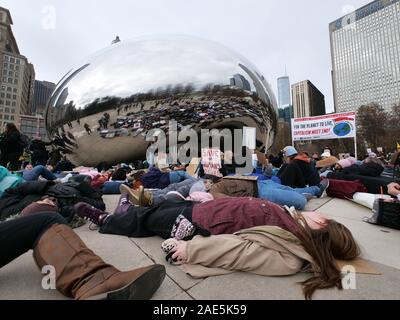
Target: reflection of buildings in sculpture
42,93
33,126
261,90
61,89
286,114
17,75
241,82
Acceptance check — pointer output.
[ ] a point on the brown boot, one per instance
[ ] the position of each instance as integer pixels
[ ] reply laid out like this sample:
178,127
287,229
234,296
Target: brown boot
138,197
83,275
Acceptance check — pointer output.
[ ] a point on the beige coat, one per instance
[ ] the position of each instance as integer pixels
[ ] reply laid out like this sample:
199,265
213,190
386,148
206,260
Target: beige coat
265,250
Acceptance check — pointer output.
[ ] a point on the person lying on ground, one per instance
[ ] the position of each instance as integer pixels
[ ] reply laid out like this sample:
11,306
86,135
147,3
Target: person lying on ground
269,190
147,198
181,219
157,179
80,273
312,244
34,173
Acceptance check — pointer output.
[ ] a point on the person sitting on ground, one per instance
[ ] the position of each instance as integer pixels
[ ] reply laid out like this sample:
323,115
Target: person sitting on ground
312,243
298,171
80,273
40,155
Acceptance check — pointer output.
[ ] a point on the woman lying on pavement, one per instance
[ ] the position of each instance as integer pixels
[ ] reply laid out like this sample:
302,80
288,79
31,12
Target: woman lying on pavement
80,274
179,219
312,243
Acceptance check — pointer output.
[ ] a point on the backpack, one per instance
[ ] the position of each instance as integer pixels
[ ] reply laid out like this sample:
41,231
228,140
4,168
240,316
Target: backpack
386,213
343,189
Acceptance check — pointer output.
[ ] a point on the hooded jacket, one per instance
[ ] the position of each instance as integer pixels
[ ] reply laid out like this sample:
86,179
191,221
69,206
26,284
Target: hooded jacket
300,173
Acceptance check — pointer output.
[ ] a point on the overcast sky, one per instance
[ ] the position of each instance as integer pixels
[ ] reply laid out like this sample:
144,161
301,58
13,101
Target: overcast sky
270,33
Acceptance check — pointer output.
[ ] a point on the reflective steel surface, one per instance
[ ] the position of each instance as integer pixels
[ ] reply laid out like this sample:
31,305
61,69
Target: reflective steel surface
102,109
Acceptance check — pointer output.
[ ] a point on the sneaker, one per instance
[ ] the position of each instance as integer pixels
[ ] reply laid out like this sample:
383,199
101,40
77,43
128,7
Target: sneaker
323,186
88,212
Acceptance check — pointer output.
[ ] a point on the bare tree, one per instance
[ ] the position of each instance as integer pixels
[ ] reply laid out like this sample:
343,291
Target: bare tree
371,122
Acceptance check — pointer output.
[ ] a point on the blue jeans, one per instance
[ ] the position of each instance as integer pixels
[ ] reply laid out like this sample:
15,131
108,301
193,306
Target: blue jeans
183,188
285,196
36,172
179,176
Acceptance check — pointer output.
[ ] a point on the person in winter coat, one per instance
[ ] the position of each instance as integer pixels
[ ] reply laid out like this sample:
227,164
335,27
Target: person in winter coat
80,273
40,155
11,147
319,241
298,172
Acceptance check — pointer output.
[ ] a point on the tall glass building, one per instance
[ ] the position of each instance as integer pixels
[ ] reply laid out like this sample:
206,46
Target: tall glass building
365,48
284,92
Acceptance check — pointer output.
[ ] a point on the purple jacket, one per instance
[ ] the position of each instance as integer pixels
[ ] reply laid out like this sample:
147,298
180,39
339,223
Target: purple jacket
155,179
230,215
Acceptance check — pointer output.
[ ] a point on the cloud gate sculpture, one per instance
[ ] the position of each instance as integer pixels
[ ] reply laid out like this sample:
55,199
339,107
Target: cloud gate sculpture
103,108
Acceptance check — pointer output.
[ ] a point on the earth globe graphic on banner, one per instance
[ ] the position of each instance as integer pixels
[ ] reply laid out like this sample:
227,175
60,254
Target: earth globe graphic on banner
342,129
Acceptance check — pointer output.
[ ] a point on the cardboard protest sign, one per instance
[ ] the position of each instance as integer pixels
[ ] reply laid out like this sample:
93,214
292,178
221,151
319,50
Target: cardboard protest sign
211,161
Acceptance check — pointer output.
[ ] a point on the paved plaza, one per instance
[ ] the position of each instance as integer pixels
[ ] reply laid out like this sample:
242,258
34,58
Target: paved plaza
380,246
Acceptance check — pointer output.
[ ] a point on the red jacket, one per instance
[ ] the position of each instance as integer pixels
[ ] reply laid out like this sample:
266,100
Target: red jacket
229,215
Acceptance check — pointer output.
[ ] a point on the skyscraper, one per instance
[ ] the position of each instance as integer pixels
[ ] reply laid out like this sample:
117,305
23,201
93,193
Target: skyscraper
308,101
17,75
365,49
284,92
42,93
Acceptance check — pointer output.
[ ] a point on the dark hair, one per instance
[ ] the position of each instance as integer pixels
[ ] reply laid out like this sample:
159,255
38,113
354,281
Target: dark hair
119,175
10,127
326,245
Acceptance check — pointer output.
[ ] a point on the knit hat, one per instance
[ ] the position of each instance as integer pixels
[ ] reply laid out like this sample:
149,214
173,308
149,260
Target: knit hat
344,163
328,162
352,160
290,151
326,155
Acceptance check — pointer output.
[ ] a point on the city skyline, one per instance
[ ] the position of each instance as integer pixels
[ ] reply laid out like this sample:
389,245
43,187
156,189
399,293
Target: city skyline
59,40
